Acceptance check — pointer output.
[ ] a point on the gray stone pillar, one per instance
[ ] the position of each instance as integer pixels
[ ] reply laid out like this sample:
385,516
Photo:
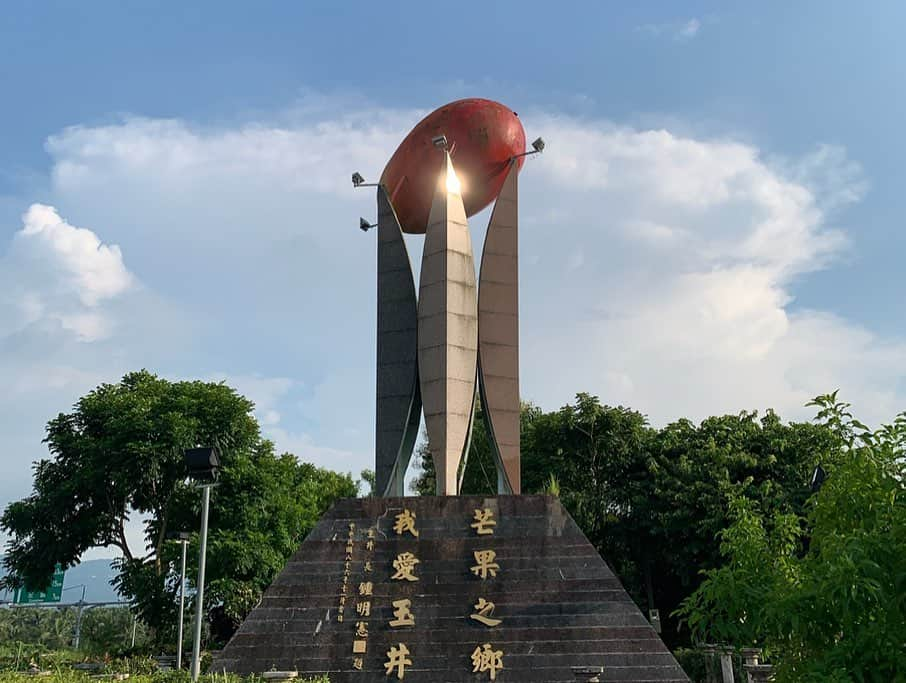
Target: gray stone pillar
398,399
498,334
759,673
726,667
448,331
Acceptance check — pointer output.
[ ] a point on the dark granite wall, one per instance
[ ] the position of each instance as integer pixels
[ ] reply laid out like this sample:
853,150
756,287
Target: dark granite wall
559,604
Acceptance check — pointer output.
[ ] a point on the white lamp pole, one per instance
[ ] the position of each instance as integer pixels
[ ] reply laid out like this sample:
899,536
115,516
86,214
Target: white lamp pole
182,602
199,599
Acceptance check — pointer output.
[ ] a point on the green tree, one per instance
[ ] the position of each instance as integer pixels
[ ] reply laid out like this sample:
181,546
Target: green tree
823,593
367,476
653,501
119,454
692,473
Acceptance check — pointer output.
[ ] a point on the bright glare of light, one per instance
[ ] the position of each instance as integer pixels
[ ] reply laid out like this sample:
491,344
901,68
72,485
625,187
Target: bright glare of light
452,181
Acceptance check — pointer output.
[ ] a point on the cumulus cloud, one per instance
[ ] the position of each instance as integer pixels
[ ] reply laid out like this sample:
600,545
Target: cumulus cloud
685,299
659,270
668,251
56,272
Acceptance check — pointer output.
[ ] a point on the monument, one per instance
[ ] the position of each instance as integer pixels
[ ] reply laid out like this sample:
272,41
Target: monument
449,587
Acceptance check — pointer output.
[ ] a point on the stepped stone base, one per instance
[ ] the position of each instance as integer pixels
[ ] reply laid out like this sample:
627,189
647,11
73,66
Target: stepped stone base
563,614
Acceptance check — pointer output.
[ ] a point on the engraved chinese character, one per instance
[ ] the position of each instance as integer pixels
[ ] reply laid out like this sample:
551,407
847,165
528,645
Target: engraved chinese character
403,614
485,658
404,564
340,617
359,647
371,532
366,588
363,608
342,600
397,659
361,629
486,564
484,522
358,663
405,521
351,526
369,546
368,567
484,611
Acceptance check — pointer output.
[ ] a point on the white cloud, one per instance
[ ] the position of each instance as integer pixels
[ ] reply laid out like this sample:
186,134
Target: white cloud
679,31
95,270
689,306
669,247
57,273
689,29
658,271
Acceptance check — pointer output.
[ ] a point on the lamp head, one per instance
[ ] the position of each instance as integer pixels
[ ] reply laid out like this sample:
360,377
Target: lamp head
203,464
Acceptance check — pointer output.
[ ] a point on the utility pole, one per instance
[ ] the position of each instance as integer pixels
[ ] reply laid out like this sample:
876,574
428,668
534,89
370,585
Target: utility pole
78,624
77,635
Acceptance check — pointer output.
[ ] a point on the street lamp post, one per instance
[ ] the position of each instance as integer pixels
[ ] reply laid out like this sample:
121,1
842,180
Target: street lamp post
183,538
203,465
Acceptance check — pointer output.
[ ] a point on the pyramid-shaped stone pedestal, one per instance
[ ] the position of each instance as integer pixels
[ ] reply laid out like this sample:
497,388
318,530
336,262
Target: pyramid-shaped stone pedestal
346,604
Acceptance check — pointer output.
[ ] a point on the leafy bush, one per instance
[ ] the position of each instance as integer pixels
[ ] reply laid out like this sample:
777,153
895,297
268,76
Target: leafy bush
825,594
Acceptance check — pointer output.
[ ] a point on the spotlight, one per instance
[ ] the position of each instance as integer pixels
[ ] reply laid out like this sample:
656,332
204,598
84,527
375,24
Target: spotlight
537,148
365,226
439,141
202,464
357,179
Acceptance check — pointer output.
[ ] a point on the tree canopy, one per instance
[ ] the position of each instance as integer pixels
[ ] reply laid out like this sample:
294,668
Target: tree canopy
118,455
822,591
652,501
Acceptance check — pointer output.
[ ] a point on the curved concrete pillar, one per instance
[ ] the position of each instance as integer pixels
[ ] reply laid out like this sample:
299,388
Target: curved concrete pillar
498,334
398,400
447,330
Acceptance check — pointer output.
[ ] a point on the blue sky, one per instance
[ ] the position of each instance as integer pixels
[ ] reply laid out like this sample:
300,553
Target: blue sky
716,224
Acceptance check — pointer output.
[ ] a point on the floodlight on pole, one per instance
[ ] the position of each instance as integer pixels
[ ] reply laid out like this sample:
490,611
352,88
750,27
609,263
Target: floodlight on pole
358,180
203,465
537,148
365,226
183,538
